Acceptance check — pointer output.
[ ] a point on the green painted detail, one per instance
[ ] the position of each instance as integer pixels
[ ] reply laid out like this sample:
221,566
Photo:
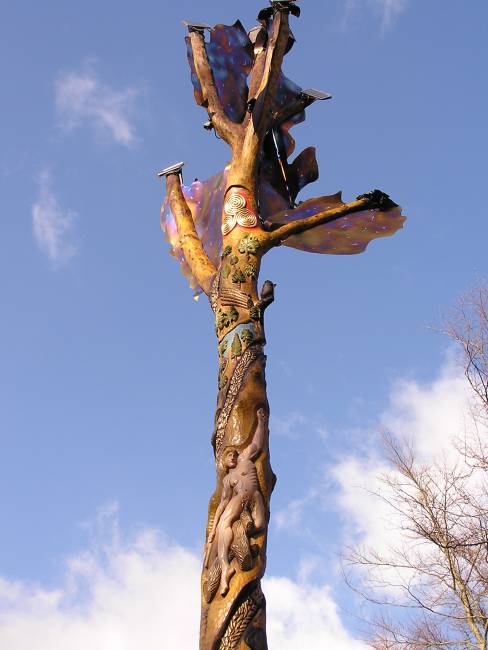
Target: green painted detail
227,251
247,336
233,259
233,314
236,347
223,347
225,271
250,270
223,318
223,381
249,245
238,277
228,337
255,313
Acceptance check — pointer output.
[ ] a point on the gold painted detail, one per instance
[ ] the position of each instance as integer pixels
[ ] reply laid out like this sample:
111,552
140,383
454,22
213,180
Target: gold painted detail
214,292
237,213
241,619
230,296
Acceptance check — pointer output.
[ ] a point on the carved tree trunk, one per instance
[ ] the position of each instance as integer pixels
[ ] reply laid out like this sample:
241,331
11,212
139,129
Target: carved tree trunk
253,117
237,619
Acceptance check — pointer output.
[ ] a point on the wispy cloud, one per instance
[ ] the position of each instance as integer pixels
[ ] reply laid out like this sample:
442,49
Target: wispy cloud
295,424
388,10
51,224
290,518
127,594
82,98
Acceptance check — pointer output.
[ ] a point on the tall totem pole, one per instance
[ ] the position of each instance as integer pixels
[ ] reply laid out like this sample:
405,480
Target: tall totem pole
219,231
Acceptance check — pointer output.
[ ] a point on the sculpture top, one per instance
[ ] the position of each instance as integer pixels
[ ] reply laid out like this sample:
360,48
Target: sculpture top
233,64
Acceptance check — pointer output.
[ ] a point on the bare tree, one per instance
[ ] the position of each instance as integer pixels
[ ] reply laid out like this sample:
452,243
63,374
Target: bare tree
430,588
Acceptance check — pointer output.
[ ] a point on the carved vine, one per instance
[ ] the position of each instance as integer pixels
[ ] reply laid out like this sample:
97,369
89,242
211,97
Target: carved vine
250,355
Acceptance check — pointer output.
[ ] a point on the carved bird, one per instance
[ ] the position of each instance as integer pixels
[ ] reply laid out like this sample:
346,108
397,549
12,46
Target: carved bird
267,294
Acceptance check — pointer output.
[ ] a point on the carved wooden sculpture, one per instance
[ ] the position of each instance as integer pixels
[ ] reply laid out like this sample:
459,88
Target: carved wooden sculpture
219,231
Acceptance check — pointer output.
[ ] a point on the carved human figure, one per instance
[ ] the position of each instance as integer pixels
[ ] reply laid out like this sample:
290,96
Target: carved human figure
240,490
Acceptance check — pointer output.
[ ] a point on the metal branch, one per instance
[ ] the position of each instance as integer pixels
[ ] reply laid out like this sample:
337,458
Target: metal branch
302,101
201,267
375,200
226,128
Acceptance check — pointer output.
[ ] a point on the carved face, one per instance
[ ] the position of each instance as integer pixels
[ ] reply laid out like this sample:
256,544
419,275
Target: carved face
230,460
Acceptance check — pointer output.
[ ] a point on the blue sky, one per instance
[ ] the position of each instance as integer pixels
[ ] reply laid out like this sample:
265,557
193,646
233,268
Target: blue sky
108,367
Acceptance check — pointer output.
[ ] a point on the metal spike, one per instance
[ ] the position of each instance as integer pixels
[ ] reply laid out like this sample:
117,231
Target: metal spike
314,95
196,27
174,169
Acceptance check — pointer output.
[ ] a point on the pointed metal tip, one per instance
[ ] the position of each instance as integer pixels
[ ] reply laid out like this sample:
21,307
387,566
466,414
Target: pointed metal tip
196,27
315,95
174,169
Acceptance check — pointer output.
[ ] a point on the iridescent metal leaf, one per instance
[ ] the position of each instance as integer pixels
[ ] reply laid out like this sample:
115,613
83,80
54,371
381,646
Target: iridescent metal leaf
205,200
348,235
230,54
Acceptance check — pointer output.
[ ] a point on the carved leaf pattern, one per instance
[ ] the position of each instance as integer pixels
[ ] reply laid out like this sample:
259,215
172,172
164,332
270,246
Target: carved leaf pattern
240,621
240,547
250,355
212,581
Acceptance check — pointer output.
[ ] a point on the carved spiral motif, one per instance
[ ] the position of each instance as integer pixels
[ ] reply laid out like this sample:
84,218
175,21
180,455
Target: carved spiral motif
229,224
234,203
236,213
246,218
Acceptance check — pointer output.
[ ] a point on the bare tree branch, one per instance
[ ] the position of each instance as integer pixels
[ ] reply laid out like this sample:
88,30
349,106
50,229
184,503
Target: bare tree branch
201,267
226,128
265,94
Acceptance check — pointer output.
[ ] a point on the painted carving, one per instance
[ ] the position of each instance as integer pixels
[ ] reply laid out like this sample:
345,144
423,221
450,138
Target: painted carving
241,619
214,292
250,270
227,250
241,496
230,296
247,336
225,319
236,348
238,277
245,361
267,297
248,245
224,362
236,212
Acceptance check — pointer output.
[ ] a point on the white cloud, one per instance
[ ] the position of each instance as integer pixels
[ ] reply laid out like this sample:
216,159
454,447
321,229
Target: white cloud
144,593
388,10
432,417
303,616
432,414
51,224
290,517
81,98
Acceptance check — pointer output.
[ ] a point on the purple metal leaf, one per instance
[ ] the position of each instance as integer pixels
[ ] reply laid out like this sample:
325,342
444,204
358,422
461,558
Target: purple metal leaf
205,200
348,235
230,54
